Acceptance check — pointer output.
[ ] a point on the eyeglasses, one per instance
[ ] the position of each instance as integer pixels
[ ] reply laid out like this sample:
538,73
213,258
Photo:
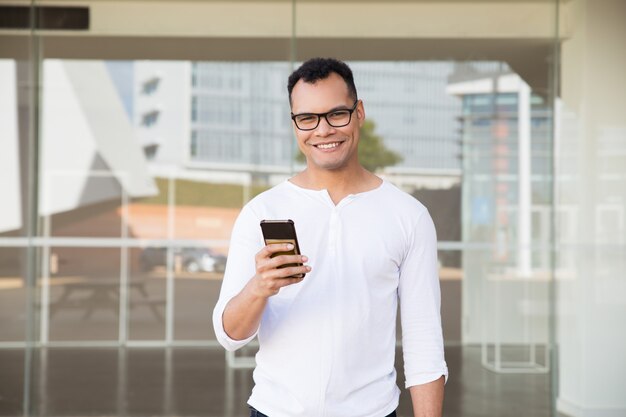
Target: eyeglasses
335,118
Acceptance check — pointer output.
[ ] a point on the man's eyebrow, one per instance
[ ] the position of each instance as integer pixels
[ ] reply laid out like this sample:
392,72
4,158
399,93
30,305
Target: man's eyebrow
339,107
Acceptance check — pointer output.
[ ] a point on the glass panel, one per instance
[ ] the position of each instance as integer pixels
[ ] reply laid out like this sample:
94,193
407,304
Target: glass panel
19,71
12,384
149,217
198,273
61,375
451,282
12,150
87,195
84,294
419,128
240,146
13,296
506,136
147,295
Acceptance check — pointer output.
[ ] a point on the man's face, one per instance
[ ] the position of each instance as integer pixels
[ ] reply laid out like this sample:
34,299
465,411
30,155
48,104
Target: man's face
327,147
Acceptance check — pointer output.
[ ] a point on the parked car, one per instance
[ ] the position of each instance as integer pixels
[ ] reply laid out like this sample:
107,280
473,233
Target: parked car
192,259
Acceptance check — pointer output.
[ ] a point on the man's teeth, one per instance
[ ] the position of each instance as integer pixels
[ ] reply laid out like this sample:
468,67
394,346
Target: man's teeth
328,145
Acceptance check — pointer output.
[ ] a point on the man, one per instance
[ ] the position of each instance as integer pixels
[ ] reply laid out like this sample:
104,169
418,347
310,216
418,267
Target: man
327,341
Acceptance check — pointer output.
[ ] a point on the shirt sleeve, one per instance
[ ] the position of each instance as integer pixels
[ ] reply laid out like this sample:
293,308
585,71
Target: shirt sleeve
246,240
420,304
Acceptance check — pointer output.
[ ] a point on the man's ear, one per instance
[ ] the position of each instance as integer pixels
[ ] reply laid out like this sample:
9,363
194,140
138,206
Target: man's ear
360,113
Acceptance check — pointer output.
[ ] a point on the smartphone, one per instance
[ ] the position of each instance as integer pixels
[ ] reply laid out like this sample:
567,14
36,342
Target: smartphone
282,231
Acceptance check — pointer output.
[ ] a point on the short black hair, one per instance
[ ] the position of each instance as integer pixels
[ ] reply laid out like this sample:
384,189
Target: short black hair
316,69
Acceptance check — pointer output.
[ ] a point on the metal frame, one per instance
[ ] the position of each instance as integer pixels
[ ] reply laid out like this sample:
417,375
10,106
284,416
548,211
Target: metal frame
498,364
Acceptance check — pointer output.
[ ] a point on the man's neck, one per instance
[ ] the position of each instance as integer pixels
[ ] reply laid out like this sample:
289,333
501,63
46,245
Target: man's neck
339,183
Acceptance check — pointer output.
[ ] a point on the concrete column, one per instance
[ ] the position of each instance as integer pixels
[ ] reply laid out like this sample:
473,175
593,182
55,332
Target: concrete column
591,200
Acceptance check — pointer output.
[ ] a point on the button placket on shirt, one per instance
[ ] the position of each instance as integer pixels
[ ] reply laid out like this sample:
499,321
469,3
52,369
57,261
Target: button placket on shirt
333,232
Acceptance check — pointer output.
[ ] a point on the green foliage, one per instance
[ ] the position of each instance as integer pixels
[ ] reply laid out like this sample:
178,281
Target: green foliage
373,154
201,194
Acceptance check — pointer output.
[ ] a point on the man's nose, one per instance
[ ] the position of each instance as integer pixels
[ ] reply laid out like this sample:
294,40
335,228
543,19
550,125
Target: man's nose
324,128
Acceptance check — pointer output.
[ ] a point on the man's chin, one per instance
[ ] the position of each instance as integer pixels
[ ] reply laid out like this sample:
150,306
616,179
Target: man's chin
329,166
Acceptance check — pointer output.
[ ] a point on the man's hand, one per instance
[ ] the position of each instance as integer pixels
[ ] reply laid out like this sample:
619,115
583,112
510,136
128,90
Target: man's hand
269,278
243,313
427,398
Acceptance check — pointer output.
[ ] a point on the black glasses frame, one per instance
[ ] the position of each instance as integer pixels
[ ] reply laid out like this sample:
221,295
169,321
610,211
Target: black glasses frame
324,115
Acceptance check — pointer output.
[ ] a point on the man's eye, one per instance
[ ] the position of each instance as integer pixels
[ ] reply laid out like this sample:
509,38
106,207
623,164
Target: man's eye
307,118
339,114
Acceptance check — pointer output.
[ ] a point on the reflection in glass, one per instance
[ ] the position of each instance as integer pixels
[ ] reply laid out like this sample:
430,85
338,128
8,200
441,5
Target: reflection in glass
415,115
198,278
12,294
506,137
94,161
209,136
451,282
147,297
84,297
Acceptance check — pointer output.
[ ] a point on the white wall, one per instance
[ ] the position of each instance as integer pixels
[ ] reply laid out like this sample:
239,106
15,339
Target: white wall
591,186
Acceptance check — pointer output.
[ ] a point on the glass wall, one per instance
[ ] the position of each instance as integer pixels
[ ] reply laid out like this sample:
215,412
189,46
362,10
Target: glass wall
137,254
128,152
19,102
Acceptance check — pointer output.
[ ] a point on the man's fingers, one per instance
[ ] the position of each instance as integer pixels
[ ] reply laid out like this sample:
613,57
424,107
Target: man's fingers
284,282
285,273
269,264
286,260
293,271
279,247
272,280
268,250
281,270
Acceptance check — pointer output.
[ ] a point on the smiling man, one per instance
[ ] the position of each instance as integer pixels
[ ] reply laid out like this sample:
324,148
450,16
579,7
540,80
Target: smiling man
327,341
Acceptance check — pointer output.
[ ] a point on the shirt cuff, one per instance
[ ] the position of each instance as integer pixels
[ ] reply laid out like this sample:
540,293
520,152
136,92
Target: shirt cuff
226,341
426,377
232,344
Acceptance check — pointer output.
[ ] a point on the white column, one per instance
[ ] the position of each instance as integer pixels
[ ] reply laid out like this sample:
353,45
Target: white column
524,171
591,177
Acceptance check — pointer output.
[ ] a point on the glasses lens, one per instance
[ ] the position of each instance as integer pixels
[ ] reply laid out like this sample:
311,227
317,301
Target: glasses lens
307,121
339,118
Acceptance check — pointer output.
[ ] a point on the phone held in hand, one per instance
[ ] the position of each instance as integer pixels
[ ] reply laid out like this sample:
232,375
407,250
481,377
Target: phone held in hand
282,231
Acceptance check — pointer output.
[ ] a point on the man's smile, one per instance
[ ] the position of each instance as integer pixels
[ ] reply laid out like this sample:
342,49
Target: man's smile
327,145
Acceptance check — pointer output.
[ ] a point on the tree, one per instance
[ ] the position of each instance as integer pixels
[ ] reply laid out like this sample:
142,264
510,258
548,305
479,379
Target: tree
373,154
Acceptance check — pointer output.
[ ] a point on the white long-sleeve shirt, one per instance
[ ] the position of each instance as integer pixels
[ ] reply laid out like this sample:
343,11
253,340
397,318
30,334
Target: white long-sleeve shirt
327,344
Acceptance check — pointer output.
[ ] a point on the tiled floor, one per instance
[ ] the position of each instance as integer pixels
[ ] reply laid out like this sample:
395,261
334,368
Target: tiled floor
196,382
